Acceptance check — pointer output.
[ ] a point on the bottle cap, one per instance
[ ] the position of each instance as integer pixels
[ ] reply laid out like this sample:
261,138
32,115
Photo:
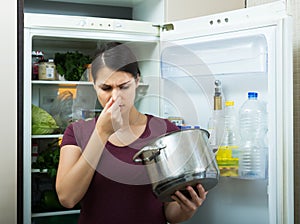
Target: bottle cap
218,88
252,95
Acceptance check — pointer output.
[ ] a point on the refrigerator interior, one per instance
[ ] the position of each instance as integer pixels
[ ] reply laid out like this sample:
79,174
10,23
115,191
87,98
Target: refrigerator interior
82,92
243,61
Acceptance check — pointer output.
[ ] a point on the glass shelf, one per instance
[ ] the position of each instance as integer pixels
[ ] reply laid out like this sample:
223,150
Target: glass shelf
44,214
47,136
58,82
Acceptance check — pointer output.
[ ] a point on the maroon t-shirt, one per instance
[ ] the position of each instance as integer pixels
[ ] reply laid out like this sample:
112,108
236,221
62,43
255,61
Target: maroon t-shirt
120,191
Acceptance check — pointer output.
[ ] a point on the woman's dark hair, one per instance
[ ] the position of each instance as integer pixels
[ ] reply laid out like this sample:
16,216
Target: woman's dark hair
117,57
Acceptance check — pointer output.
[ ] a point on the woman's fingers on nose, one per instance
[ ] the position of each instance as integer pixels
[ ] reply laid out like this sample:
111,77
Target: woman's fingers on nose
109,103
117,103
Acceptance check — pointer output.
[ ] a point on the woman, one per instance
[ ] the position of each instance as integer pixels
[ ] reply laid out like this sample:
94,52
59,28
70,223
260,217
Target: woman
96,167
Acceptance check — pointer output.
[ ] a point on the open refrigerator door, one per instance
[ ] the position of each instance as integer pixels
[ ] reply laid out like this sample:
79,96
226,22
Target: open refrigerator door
246,50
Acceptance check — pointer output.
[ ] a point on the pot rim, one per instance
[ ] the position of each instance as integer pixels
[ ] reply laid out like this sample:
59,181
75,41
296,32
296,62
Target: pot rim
147,147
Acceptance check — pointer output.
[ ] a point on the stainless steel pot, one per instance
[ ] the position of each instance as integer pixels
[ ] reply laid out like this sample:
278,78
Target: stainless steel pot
178,159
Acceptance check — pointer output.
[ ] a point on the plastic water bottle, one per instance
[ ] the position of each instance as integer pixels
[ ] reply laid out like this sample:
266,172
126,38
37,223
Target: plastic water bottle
227,155
253,129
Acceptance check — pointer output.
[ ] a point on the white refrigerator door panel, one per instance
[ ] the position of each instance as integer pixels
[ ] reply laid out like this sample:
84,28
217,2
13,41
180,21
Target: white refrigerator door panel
192,100
254,57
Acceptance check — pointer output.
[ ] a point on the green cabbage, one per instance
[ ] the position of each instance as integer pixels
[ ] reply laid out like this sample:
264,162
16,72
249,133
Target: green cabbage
42,122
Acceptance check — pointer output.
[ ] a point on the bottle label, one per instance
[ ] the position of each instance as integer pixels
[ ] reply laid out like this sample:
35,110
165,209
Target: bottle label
227,155
50,73
227,162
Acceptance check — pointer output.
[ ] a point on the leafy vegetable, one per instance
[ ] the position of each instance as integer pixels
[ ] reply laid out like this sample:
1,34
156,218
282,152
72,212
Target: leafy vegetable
71,64
48,159
42,122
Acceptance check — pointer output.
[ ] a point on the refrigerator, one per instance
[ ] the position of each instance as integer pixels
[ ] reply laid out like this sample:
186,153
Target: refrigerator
247,50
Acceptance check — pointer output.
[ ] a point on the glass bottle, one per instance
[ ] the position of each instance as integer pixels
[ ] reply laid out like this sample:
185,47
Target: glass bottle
216,122
228,151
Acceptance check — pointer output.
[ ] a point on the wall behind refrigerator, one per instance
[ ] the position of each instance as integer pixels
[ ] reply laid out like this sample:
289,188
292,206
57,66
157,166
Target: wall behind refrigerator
178,9
69,8
294,10
8,131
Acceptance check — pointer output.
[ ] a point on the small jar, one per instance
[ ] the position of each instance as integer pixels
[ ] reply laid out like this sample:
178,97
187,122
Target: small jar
47,70
37,57
34,152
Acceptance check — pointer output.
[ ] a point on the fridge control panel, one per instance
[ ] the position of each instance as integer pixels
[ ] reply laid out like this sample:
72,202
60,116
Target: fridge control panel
48,21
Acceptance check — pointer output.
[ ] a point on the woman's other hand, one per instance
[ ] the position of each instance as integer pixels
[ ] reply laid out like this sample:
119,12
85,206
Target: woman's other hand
195,201
184,208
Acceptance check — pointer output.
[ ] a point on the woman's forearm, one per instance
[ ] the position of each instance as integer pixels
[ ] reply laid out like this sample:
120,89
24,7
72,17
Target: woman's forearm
76,172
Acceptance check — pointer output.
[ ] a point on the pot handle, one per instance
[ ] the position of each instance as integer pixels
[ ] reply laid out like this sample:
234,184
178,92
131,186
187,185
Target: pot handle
153,151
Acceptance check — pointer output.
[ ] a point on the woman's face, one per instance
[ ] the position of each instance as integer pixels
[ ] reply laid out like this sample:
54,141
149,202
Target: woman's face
116,84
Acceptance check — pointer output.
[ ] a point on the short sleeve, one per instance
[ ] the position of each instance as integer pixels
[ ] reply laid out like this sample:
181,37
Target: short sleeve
69,137
79,133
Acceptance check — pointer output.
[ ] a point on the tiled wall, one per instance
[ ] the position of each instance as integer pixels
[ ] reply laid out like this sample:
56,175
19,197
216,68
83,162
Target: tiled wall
294,6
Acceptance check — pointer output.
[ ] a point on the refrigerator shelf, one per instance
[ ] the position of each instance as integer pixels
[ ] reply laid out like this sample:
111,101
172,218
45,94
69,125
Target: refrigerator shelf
72,83
63,83
44,214
48,136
